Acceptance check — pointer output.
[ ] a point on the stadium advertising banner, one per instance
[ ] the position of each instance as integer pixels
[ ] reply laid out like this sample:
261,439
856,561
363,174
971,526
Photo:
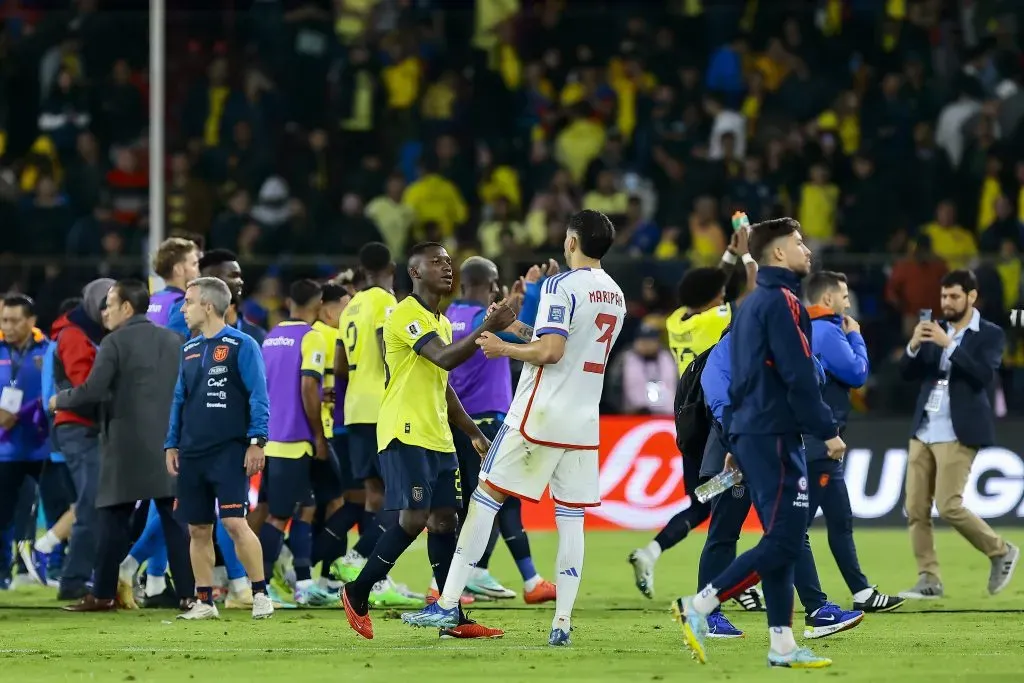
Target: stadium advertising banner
642,476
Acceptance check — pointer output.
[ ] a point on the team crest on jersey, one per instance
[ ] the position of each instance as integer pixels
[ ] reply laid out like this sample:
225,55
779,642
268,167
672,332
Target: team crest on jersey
417,494
414,329
556,314
738,491
220,354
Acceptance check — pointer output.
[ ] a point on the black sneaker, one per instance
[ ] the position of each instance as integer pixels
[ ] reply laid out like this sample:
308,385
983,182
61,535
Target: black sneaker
878,602
751,600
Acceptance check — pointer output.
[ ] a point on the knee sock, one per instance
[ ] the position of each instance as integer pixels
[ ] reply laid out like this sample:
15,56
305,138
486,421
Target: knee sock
332,541
441,552
271,540
372,533
382,558
301,542
492,541
367,520
569,564
476,532
233,565
510,521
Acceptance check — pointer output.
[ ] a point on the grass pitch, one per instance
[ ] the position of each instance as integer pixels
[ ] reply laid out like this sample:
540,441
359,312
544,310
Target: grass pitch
618,634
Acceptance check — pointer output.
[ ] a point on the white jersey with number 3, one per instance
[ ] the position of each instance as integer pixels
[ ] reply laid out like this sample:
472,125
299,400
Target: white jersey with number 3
557,405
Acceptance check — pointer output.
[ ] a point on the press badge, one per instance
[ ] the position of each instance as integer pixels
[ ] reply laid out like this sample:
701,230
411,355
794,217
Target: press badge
10,399
938,394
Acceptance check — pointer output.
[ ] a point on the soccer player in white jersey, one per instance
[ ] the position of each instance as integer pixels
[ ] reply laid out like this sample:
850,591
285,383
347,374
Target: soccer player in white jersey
551,433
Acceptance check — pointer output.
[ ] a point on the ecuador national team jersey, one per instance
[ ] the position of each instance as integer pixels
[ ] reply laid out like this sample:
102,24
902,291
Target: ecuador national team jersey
691,335
359,325
330,335
414,409
291,351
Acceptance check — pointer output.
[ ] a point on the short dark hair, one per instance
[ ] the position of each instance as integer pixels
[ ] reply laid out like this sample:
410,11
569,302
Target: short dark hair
135,292
822,282
764,233
422,247
216,257
700,286
304,292
595,231
69,305
333,292
963,277
23,301
374,257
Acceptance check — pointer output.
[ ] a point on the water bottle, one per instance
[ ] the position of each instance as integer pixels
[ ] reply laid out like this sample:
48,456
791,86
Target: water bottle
740,221
720,483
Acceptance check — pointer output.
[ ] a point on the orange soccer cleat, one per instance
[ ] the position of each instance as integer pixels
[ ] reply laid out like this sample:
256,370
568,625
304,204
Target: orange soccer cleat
542,592
433,595
471,629
360,623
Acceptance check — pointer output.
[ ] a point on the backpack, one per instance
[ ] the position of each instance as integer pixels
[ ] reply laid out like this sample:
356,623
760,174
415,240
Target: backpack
693,423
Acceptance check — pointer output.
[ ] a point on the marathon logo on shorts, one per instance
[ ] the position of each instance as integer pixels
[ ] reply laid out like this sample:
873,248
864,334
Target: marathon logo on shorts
218,370
220,354
556,314
417,494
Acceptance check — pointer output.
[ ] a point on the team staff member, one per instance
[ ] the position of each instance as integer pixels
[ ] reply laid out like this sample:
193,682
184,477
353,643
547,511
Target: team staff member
417,454
215,439
78,334
177,263
132,381
223,265
774,399
837,343
294,354
955,362
693,328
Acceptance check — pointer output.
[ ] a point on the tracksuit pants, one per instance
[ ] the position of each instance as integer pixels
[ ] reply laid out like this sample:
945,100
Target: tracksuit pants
827,488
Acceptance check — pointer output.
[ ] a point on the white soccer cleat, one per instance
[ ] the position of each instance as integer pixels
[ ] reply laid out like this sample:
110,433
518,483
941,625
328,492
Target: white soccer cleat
262,607
200,610
643,571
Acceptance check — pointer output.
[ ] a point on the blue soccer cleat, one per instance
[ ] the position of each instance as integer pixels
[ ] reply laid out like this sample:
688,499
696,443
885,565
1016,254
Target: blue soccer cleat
829,620
800,658
720,627
559,638
35,562
695,627
433,615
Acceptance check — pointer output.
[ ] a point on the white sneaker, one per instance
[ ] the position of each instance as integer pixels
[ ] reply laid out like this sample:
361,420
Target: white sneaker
239,600
22,581
199,611
643,571
262,607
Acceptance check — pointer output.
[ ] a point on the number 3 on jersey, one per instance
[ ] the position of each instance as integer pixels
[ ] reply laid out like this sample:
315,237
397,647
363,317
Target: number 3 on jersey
606,323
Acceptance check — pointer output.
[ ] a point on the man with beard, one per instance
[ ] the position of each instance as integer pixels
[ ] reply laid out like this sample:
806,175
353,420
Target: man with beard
955,361
223,264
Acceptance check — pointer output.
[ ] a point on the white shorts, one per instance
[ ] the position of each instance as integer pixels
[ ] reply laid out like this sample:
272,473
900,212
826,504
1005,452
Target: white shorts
522,469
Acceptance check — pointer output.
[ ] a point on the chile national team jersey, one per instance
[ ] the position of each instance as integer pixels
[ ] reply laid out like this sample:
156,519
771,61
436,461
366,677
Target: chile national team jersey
483,386
291,351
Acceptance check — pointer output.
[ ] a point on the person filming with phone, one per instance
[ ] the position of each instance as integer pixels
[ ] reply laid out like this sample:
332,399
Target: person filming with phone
955,359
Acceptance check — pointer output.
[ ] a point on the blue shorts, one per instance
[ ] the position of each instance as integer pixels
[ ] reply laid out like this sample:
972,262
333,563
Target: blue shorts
213,481
340,444
418,479
288,485
327,478
362,452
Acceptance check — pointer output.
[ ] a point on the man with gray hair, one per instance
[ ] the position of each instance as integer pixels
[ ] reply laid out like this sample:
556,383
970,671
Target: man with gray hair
215,438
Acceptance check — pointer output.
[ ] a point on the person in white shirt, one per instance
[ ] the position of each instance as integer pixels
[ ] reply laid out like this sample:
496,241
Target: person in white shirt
724,121
551,433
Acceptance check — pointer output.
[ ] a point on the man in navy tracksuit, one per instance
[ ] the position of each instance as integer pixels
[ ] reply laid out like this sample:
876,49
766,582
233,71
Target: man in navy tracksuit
774,398
837,344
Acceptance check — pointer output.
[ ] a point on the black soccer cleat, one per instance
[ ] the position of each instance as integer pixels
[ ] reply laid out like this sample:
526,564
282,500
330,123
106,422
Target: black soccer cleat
751,600
878,602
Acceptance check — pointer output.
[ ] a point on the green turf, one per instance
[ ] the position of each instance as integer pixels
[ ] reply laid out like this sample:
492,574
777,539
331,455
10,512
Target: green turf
619,635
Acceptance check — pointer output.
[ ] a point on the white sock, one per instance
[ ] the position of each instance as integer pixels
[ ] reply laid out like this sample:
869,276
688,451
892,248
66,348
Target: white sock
532,582
129,568
155,585
861,596
782,640
654,549
569,563
476,531
237,586
48,543
707,600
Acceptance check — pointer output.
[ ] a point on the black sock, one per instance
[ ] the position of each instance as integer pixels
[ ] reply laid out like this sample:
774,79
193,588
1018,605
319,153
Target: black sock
384,520
367,520
485,559
332,541
271,539
510,521
441,551
675,531
381,559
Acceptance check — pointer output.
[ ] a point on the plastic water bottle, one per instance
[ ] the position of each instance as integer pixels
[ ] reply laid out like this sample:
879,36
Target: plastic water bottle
718,484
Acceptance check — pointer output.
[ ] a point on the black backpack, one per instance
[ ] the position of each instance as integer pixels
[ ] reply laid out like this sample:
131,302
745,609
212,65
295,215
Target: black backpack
693,421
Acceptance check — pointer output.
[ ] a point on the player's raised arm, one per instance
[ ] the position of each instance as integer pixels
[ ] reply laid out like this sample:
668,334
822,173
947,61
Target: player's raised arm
449,356
552,329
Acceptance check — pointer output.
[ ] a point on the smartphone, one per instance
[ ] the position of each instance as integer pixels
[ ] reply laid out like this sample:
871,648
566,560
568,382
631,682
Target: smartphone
925,315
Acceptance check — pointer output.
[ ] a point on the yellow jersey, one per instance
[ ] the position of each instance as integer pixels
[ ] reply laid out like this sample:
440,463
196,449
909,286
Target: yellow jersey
358,328
330,335
691,335
414,409
311,363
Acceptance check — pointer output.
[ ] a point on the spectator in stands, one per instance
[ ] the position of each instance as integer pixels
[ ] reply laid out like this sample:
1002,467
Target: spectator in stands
49,217
648,375
122,114
950,241
213,107
915,281
86,176
393,218
435,199
65,113
128,186
606,197
189,204
230,224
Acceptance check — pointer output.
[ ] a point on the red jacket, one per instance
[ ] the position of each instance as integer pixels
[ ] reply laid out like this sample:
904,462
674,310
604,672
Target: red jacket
77,337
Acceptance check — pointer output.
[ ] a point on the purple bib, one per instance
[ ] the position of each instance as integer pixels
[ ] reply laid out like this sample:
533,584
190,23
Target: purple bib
282,355
483,386
162,303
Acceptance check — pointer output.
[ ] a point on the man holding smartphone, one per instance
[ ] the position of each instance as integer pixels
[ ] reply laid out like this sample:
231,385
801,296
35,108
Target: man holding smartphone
955,361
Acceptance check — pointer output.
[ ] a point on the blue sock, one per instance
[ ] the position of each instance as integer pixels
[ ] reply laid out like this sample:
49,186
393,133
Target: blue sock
381,559
157,564
152,538
300,540
233,565
510,521
204,594
271,540
259,587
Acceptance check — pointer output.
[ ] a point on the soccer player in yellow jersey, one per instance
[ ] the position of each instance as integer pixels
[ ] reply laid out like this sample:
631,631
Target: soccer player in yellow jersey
417,453
693,328
294,354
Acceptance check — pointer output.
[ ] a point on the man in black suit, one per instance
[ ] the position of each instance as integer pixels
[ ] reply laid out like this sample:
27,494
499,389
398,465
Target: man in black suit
956,363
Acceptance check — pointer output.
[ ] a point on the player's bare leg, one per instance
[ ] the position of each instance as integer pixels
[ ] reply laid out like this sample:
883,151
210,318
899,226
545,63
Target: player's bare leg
203,558
250,553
